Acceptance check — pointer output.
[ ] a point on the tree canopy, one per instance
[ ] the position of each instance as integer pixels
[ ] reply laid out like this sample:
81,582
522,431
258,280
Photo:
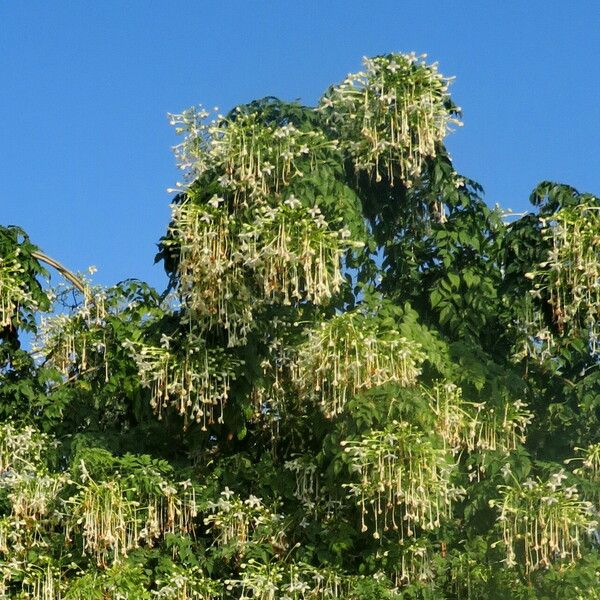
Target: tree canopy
361,381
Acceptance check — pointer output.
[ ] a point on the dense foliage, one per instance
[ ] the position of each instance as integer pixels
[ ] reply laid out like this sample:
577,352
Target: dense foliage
361,382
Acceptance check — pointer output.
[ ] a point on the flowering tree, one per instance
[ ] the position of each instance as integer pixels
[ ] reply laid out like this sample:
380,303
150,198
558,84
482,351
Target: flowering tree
361,381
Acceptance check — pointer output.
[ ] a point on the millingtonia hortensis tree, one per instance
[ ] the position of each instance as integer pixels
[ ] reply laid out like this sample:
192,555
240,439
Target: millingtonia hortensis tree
361,382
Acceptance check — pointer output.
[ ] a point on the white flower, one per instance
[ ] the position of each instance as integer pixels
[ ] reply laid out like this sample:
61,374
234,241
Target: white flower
571,492
253,502
293,202
326,103
215,201
227,493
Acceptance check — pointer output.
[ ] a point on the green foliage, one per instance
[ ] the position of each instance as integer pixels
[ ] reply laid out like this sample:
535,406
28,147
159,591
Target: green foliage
361,382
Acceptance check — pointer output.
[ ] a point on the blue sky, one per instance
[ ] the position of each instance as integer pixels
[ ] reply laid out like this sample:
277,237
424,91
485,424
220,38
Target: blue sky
85,86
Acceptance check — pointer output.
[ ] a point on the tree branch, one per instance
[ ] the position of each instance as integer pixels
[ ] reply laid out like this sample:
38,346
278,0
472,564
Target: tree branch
61,269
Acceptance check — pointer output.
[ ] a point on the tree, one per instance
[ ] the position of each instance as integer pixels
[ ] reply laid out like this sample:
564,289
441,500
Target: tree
361,382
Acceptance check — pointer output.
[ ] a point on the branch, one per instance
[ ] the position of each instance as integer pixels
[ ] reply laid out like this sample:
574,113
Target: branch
62,270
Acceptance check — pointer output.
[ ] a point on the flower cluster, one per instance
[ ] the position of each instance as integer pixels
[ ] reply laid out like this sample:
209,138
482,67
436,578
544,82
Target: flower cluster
106,519
270,393
194,382
391,116
350,353
452,418
282,254
32,496
211,281
31,493
13,291
187,584
499,427
76,342
404,480
478,426
307,479
590,463
294,253
535,339
22,449
570,277
543,521
252,160
415,563
115,516
237,521
42,583
588,470
300,581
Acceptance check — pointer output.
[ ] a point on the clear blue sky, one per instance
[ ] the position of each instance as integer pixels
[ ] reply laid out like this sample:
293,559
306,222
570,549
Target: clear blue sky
85,86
